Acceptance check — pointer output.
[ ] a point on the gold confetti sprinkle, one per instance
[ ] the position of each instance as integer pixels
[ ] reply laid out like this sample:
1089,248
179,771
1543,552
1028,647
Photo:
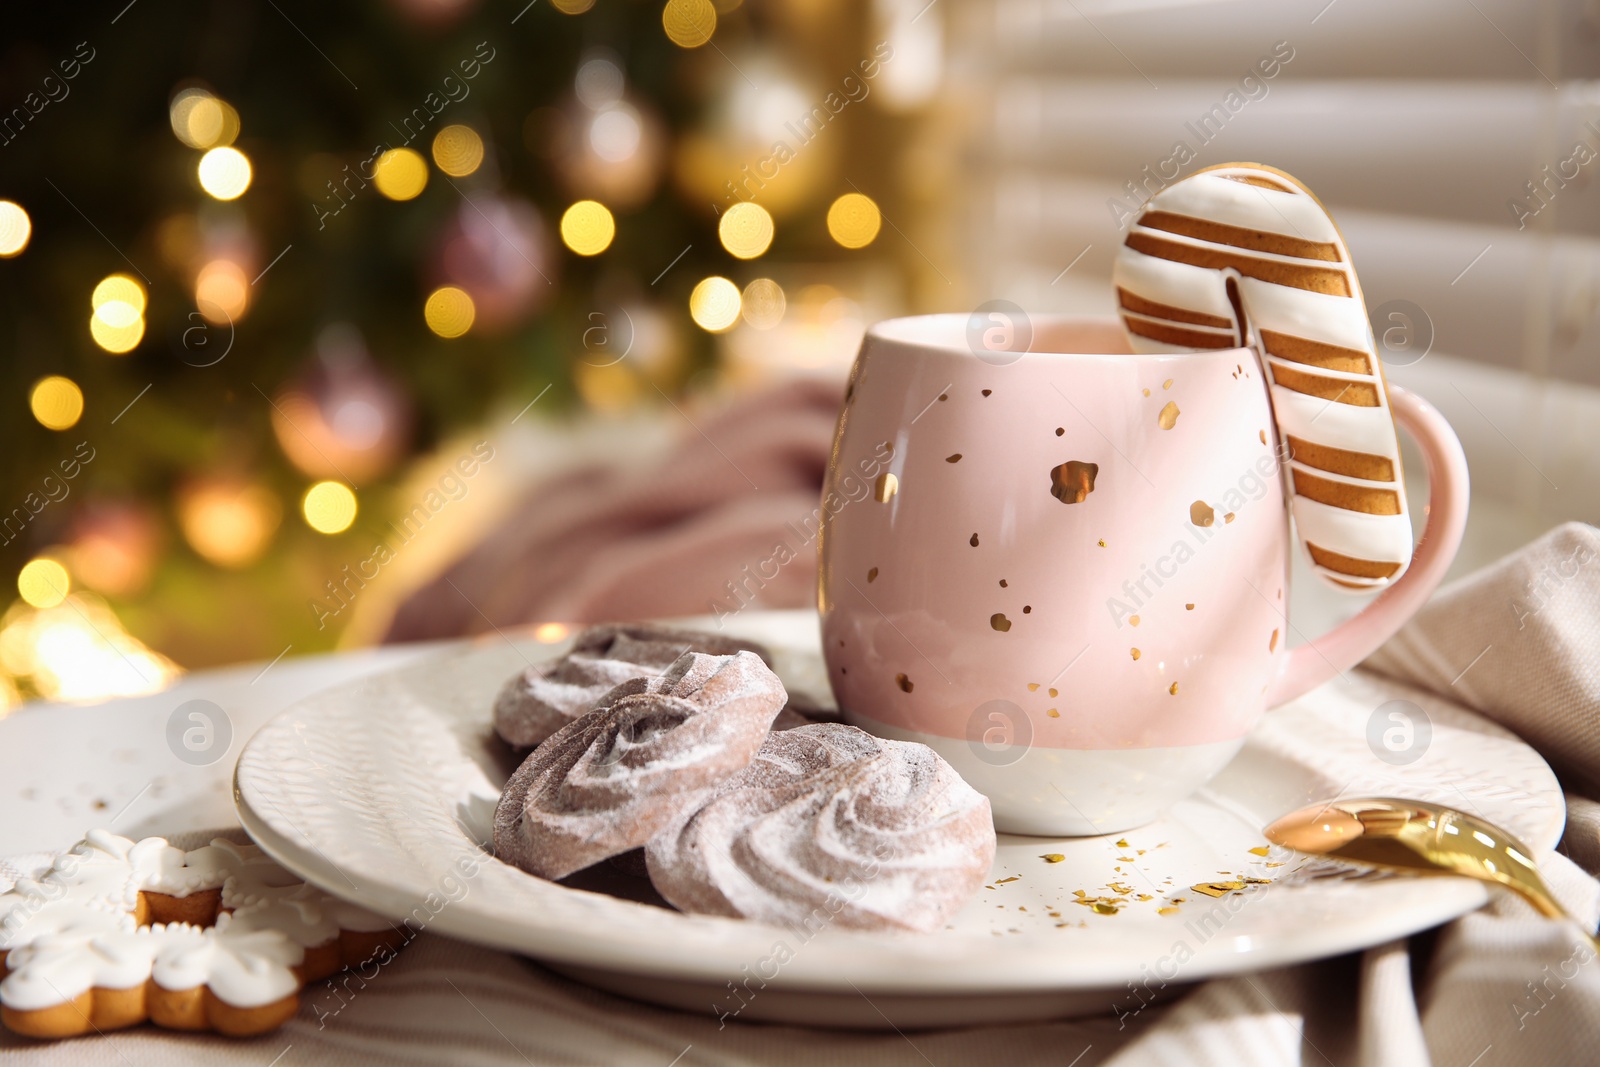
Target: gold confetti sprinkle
1169,415
1122,842
1274,865
954,457
1173,689
904,683
999,622
887,486
1200,513
1260,850
1166,911
974,541
1217,889
872,575
1272,645
1102,908
1052,857
1073,481
1167,384
1133,620
1003,881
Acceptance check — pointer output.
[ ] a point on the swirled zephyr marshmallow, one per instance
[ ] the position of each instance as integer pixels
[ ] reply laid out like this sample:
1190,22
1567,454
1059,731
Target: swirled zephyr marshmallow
651,754
536,702
829,824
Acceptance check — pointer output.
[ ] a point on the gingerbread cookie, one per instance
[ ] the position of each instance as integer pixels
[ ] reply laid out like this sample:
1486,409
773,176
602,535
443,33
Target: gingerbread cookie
1243,255
652,751
540,700
831,824
219,938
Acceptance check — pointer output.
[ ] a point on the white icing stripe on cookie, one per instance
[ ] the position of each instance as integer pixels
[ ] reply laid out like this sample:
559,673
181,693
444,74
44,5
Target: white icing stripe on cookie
1211,196
1337,425
1162,281
1335,320
1383,538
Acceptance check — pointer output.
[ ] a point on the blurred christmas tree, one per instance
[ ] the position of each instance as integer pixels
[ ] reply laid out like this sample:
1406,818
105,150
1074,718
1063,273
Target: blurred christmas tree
260,255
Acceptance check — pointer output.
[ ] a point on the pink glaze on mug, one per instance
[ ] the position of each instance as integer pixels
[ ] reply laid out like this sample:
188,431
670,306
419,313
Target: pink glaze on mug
1034,565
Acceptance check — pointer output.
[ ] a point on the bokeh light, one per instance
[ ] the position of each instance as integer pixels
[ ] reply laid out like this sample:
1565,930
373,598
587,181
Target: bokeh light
56,402
229,523
225,173
745,230
221,291
400,174
615,133
550,632
599,82
201,120
457,150
689,23
587,227
118,288
43,582
714,304
15,229
329,507
449,311
78,650
112,337
572,7
854,220
763,304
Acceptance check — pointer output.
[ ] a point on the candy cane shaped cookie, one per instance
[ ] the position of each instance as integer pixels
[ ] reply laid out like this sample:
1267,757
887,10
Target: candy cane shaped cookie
1244,255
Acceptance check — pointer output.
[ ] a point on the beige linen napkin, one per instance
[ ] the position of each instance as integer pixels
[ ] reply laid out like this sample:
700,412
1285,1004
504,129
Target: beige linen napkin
1500,986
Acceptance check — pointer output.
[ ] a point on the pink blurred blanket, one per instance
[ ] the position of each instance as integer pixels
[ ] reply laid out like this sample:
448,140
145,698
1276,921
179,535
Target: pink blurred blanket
724,520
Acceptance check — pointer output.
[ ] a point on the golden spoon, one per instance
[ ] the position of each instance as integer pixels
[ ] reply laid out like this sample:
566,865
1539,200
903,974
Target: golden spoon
1405,835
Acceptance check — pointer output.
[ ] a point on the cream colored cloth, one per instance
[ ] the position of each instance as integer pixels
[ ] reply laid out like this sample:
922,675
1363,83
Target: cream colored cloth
1500,986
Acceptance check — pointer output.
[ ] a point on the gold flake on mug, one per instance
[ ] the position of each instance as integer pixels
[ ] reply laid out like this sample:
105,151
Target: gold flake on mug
1027,609
1053,713
1033,687
887,486
999,622
1134,619
1169,415
1073,481
1200,513
1060,430
1174,689
1167,384
872,575
904,683
1229,517
954,457
974,541
1136,653
1054,693
1272,645
1188,607
1263,437
986,392
1102,542
1147,392
1002,583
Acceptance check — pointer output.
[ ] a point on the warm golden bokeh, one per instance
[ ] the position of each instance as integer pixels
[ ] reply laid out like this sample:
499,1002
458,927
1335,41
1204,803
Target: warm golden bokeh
221,291
854,220
457,150
15,229
329,507
714,304
400,174
225,173
44,582
745,230
56,402
228,523
763,304
588,228
689,23
118,288
449,311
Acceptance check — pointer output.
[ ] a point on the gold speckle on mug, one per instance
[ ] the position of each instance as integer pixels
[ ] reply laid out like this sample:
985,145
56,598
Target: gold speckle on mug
1033,687
904,683
1174,689
1002,583
1073,481
1263,437
1054,693
1167,384
1027,609
954,457
1053,713
999,622
1060,430
1169,415
1188,607
1134,619
944,396
887,486
872,575
986,392
1102,542
1229,517
1136,653
1200,513
1272,645
1147,392
973,541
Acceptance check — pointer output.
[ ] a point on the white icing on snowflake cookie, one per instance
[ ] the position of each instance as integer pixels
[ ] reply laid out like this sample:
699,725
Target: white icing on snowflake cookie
116,932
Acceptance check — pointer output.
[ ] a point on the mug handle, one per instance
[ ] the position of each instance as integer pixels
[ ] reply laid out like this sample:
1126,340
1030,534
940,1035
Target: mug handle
1309,665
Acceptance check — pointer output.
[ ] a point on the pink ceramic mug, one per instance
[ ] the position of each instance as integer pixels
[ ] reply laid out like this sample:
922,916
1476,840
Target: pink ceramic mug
1066,569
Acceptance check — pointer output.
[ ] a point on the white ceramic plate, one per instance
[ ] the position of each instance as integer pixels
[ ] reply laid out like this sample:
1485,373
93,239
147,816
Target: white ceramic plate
381,790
